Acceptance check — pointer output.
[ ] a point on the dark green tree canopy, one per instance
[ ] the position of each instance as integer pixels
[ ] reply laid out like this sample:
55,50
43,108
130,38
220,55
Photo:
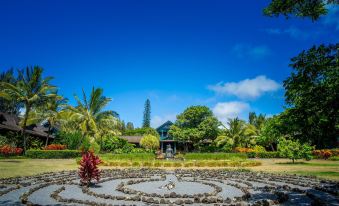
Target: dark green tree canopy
196,123
147,114
301,8
312,93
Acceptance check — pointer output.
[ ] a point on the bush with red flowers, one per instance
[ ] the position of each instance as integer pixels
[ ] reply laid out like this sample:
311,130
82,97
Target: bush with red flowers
324,153
89,168
55,147
8,150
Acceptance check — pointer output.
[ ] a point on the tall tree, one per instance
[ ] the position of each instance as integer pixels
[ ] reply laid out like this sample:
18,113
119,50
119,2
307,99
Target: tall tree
129,126
31,90
195,124
313,97
91,118
10,106
147,114
301,8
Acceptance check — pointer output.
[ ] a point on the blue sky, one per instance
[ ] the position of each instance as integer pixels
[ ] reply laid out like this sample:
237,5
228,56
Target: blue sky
222,54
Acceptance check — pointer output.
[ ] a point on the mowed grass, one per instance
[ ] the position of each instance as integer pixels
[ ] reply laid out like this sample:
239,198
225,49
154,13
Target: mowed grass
25,167
319,168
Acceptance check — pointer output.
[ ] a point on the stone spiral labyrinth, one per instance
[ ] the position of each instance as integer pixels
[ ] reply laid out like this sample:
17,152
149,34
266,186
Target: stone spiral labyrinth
162,187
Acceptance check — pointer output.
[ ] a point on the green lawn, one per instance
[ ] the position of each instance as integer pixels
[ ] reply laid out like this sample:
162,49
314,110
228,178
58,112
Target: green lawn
24,167
320,168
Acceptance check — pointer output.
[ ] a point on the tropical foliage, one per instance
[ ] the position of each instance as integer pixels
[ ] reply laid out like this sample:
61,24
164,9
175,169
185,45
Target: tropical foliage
90,118
195,124
150,142
294,150
31,90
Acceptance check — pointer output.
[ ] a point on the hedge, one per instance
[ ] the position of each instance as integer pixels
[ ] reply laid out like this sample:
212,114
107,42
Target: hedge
214,156
263,154
52,154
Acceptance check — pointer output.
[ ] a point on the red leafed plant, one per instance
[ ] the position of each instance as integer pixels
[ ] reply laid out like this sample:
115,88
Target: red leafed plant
55,147
89,168
7,150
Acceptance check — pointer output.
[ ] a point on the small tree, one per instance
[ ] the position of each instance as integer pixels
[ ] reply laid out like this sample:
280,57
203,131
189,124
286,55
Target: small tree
150,142
89,168
294,150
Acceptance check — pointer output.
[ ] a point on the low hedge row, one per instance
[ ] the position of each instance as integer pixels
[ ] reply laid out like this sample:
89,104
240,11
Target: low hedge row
263,154
159,164
52,154
214,156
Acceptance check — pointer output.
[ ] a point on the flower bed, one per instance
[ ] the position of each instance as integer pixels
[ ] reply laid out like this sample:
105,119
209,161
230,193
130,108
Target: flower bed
55,147
325,153
52,154
8,150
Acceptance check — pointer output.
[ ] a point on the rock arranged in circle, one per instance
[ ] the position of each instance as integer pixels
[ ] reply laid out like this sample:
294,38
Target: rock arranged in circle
187,187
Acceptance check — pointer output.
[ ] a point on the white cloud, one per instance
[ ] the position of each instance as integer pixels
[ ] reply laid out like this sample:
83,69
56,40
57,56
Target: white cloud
292,31
225,110
246,89
247,50
156,121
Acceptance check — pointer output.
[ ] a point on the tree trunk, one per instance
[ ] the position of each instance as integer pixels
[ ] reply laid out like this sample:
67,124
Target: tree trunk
272,147
48,133
24,126
293,161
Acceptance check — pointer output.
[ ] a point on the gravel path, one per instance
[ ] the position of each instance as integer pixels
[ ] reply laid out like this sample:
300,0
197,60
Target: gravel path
162,187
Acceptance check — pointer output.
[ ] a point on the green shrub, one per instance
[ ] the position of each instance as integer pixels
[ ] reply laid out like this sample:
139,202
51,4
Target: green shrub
334,158
116,145
188,164
168,164
131,156
214,156
177,164
294,150
52,154
150,142
71,139
157,164
263,154
147,164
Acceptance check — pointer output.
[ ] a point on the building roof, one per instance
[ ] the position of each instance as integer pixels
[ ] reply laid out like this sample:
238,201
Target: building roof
132,139
11,123
164,127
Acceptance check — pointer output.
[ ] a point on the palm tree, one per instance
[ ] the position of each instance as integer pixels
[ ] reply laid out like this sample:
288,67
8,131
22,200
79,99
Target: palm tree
89,114
9,106
31,90
236,130
50,113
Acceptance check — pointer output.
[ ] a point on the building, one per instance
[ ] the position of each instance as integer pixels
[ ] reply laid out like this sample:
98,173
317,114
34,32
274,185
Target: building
9,122
165,138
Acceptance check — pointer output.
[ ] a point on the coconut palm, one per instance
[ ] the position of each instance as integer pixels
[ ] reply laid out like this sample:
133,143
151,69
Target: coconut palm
9,106
50,113
92,120
31,90
236,130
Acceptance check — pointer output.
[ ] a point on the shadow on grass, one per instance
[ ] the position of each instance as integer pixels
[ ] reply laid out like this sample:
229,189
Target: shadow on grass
291,163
